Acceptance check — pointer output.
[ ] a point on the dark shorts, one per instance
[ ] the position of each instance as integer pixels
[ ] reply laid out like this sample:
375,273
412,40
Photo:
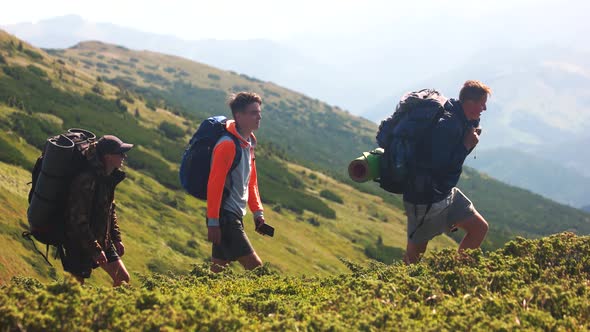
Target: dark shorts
234,241
442,216
81,265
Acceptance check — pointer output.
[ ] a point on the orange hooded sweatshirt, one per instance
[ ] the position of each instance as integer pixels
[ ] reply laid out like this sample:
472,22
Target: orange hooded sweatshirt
240,185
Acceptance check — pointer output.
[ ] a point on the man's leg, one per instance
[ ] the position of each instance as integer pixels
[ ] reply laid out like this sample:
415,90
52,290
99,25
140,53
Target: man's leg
117,271
218,264
414,252
476,228
250,262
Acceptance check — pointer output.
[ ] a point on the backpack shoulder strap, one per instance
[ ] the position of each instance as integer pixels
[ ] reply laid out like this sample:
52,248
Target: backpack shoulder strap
238,155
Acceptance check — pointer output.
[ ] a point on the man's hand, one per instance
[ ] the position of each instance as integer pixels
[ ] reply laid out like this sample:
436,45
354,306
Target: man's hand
471,139
100,258
259,221
120,248
214,234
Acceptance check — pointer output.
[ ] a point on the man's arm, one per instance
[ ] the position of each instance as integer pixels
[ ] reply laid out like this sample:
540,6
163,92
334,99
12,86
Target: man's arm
254,201
448,148
115,231
80,201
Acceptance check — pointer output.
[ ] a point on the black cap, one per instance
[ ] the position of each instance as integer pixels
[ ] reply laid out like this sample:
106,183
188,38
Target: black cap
109,144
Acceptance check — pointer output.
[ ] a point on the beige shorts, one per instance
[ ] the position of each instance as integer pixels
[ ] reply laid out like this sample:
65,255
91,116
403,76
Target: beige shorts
441,218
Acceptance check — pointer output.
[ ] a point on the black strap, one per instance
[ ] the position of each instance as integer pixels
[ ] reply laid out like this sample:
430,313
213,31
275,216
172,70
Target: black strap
27,235
47,200
59,251
423,218
53,176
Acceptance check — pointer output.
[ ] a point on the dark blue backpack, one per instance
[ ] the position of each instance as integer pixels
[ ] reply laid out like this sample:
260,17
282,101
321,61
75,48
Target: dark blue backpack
196,159
401,133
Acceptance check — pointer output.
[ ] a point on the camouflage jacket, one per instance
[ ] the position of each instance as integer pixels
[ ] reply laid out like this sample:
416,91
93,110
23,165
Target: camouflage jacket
91,220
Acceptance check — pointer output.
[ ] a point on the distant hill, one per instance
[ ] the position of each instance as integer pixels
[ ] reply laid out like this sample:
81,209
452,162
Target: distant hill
586,208
570,153
282,64
543,176
156,101
305,128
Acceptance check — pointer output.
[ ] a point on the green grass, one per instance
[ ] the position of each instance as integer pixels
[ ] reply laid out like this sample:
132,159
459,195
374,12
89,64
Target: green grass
527,285
10,153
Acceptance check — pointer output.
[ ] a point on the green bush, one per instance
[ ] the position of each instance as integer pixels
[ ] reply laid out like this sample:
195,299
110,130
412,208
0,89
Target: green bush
214,77
153,78
313,221
33,54
11,155
274,192
183,249
383,253
278,185
171,130
96,88
537,285
330,195
154,166
37,71
15,72
34,130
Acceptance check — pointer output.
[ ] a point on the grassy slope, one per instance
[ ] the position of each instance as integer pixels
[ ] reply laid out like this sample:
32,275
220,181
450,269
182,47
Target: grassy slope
162,227
316,133
199,90
160,238
536,285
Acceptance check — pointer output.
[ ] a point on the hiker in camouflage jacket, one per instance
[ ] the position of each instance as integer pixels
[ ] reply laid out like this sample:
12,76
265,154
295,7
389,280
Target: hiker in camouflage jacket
92,234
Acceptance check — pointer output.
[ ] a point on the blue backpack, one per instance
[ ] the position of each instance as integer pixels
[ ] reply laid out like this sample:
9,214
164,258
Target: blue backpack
401,133
196,159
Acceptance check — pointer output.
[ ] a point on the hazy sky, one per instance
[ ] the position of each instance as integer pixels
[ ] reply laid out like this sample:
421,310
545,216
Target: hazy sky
277,20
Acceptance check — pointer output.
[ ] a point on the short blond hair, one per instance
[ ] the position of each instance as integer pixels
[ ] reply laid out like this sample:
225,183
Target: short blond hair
474,90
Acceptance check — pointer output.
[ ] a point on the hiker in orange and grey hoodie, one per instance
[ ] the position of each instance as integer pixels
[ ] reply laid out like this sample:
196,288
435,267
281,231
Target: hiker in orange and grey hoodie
228,192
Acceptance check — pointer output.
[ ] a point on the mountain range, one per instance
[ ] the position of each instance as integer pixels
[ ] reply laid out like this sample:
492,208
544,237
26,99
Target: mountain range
541,175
